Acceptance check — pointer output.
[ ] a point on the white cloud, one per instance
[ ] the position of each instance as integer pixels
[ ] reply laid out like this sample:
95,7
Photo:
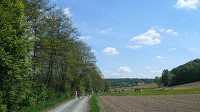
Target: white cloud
122,72
134,47
151,37
105,30
173,49
160,57
110,51
193,49
84,37
168,31
189,4
93,51
171,31
67,12
124,69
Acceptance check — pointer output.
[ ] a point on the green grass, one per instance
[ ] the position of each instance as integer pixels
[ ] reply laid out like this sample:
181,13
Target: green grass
44,106
155,92
94,107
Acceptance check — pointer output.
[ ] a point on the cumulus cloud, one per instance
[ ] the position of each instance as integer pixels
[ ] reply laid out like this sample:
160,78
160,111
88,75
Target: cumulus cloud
84,37
122,72
124,69
189,4
110,51
173,49
168,31
160,57
106,30
151,37
67,12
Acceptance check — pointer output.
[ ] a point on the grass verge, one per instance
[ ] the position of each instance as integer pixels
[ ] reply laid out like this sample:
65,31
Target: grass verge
155,92
44,106
94,107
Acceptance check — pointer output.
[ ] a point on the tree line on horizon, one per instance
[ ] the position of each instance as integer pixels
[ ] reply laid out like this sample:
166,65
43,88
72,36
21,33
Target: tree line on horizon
41,56
128,82
186,73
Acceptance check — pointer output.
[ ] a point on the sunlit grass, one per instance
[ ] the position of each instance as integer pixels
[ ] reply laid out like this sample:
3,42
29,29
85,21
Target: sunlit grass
94,107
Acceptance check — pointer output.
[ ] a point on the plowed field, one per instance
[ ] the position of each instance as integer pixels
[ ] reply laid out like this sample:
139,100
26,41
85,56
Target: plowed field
156,103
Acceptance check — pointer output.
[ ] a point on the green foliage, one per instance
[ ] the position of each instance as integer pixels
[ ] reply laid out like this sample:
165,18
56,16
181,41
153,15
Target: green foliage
125,82
14,57
186,73
41,57
94,107
166,78
158,81
107,85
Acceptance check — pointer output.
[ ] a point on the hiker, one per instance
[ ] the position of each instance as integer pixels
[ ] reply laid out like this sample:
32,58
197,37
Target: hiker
78,94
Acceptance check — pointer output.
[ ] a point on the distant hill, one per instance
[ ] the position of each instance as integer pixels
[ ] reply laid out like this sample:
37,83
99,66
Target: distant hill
186,73
127,82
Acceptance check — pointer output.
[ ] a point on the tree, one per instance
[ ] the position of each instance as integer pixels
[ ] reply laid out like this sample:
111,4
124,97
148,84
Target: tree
41,57
158,81
106,85
14,56
186,73
166,78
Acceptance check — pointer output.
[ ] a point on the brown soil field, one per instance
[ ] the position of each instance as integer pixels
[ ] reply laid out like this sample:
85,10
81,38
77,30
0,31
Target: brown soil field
156,103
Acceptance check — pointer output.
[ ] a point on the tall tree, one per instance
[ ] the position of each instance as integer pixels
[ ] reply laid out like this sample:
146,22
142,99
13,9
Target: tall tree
166,78
14,56
158,81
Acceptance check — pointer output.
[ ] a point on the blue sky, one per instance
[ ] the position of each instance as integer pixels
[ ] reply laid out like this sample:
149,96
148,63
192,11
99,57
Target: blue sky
137,38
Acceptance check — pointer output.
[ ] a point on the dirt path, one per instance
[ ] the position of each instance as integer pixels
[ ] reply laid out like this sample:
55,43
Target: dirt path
74,105
159,103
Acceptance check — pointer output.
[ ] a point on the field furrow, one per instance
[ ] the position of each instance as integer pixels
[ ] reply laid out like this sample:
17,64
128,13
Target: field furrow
157,103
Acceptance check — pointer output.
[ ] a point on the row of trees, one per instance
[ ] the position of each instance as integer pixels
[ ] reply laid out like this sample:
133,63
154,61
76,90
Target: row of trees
186,73
126,82
41,57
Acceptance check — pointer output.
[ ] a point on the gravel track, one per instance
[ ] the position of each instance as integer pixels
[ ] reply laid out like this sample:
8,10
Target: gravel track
157,103
74,105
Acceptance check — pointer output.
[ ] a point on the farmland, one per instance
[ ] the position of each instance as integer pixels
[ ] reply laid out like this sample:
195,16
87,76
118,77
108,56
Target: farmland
194,85
155,103
182,98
